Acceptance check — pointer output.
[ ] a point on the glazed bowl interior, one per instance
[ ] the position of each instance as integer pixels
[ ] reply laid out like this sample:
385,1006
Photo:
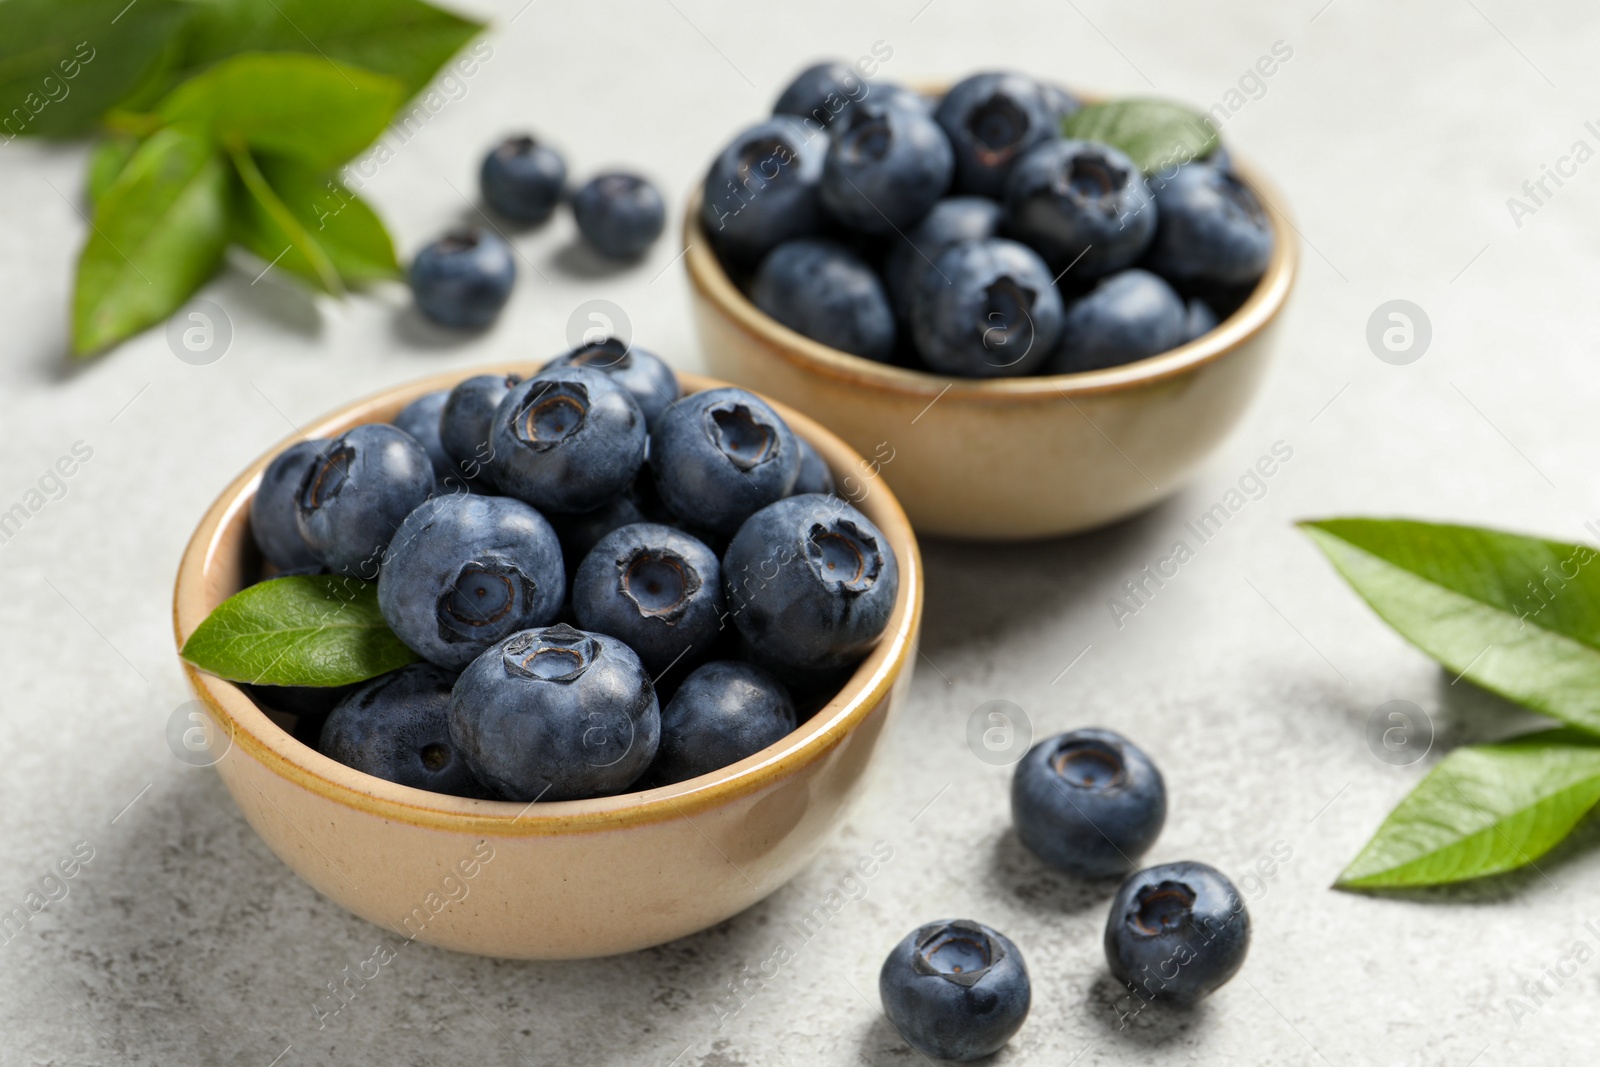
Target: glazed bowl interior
220,560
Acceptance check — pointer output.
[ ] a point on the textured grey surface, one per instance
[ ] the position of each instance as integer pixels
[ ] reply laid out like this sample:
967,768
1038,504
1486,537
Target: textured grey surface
1397,133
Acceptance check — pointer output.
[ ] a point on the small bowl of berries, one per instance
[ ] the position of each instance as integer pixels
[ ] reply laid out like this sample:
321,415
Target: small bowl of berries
1047,309
549,662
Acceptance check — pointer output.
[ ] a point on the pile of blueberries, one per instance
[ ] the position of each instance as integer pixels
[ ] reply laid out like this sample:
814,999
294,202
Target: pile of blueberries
967,236
613,586
1090,803
463,279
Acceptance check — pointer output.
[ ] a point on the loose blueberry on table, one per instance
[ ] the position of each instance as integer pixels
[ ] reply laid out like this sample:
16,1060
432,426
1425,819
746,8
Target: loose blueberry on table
1177,932
1088,802
475,510
837,214
619,214
955,990
522,179
463,279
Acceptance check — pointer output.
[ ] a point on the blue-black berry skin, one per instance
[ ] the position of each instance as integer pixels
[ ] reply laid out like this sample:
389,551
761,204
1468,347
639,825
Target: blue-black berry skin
988,309
272,509
1198,319
523,179
1177,932
395,727
466,425
463,279
724,711
955,989
619,214
567,440
1088,802
992,119
466,570
721,455
556,714
951,221
763,189
821,93
656,588
810,583
1084,206
1211,228
421,419
358,492
887,165
1130,315
645,375
819,288
814,476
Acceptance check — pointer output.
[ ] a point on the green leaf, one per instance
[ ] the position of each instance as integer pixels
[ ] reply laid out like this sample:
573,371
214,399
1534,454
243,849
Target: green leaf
275,218
406,39
63,65
158,234
336,224
107,162
303,106
1156,134
313,630
1483,810
1519,616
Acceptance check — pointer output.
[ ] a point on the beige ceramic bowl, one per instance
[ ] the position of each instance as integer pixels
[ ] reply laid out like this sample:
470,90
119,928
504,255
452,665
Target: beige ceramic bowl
1016,458
554,880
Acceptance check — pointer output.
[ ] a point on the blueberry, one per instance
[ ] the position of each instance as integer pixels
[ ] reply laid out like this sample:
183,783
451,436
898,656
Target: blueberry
465,571
991,120
395,727
1128,316
955,989
1083,205
522,179
1211,228
814,476
810,582
821,289
720,456
821,93
885,167
463,279
420,419
956,219
656,588
1198,319
466,424
987,309
556,714
272,521
1060,103
764,189
581,532
643,374
619,214
1088,802
1177,932
567,440
352,499
724,711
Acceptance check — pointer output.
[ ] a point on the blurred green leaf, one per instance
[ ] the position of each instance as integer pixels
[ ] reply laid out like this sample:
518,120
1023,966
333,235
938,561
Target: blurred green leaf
1517,615
303,106
1156,134
107,162
312,630
64,63
347,236
158,234
406,39
1483,810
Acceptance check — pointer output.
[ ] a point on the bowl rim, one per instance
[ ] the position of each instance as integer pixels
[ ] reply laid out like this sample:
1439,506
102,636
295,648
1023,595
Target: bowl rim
709,280
248,727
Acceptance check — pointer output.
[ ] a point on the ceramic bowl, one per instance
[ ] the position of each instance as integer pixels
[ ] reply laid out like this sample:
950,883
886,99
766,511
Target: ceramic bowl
553,880
1017,458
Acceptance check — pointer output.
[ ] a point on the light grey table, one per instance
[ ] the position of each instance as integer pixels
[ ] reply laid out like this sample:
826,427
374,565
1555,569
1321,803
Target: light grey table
1398,133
